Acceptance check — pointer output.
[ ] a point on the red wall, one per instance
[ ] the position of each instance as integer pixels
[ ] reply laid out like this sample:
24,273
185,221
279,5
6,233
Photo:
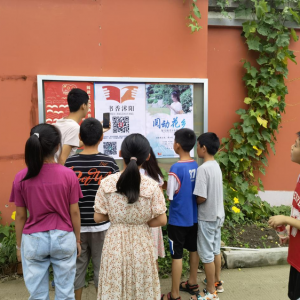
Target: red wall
226,48
61,37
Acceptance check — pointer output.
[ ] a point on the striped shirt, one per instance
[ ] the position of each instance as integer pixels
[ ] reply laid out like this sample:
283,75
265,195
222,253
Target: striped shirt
90,170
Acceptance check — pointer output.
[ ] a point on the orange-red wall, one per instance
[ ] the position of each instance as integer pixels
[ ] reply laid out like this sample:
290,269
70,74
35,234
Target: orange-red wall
227,92
114,38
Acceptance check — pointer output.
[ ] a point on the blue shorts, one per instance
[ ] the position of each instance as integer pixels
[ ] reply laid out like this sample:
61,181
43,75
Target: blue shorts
209,240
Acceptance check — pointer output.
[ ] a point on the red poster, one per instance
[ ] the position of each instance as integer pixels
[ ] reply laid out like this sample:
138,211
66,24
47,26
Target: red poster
56,93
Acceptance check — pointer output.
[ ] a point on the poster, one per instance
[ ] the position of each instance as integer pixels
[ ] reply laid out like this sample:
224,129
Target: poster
56,93
169,108
126,104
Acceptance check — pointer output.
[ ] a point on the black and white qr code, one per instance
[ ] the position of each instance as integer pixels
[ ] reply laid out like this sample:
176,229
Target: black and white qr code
120,124
110,148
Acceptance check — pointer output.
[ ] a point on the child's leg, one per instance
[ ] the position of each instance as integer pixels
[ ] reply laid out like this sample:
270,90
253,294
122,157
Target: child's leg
205,247
210,271
217,267
194,263
176,275
176,236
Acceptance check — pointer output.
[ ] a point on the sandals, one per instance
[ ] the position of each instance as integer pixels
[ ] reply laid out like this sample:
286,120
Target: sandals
208,296
189,288
218,285
169,297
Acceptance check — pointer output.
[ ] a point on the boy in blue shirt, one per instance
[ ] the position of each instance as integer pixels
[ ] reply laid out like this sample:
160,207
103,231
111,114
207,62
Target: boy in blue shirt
182,224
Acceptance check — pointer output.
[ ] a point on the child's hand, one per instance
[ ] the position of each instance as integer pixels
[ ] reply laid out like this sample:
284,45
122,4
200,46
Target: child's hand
277,221
106,129
284,241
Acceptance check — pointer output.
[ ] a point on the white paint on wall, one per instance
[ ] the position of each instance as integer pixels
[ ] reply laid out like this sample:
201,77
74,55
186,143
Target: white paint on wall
277,198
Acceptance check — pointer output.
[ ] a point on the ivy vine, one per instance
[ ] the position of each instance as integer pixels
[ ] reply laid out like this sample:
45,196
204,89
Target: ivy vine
245,152
193,17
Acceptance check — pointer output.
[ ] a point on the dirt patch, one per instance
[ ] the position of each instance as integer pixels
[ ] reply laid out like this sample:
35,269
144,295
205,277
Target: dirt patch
251,236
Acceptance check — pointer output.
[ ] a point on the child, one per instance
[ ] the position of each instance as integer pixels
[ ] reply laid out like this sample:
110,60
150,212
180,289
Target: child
78,105
182,225
50,192
150,168
91,167
69,127
293,227
209,192
133,203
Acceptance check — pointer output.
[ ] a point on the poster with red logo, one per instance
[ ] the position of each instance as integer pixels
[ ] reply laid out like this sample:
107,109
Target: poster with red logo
56,93
126,104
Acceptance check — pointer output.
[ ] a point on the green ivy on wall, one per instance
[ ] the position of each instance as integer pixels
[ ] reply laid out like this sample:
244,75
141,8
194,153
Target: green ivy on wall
245,152
193,17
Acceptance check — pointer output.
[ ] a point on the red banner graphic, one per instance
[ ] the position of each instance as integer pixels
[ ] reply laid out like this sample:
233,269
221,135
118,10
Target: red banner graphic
56,93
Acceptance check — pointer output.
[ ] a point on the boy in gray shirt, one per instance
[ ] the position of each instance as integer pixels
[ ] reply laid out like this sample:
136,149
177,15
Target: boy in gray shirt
209,192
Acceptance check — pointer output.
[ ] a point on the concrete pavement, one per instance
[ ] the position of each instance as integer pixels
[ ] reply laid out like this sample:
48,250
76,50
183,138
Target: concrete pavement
266,283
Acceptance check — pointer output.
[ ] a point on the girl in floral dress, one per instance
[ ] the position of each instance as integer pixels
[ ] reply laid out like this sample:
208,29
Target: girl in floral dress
133,203
150,168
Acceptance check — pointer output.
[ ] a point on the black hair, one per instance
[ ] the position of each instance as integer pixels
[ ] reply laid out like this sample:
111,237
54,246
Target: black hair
42,143
176,94
152,168
134,146
91,131
298,134
186,138
211,141
76,98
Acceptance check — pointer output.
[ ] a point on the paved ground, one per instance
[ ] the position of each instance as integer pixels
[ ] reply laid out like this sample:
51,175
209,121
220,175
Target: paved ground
267,283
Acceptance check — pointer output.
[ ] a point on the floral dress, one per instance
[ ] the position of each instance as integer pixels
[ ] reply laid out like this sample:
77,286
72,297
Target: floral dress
128,265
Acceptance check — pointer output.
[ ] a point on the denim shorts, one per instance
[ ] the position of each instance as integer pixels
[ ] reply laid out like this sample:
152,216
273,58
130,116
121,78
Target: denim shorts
209,240
38,251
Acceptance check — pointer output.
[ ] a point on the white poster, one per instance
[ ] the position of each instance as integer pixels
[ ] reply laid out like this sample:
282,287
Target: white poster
169,108
126,104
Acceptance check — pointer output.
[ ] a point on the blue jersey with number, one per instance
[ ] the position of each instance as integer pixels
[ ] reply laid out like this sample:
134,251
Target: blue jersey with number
183,207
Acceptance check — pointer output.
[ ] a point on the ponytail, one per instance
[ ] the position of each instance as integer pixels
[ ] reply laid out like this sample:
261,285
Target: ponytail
152,168
135,149
33,156
42,143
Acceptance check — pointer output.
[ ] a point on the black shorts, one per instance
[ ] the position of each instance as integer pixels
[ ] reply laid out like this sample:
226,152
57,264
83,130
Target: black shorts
182,237
294,284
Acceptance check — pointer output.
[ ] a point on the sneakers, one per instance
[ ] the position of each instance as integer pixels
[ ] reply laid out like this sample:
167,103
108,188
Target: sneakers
208,296
218,285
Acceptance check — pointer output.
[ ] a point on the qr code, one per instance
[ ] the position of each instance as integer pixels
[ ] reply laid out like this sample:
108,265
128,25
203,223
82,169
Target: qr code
110,148
120,124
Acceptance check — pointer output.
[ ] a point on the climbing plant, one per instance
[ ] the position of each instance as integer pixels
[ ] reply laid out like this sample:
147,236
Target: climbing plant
243,156
194,16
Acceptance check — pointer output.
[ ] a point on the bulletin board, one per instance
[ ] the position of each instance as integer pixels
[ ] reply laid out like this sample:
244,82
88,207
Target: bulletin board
136,105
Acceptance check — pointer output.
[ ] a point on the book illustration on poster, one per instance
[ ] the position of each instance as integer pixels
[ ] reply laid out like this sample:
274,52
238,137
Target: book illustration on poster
120,94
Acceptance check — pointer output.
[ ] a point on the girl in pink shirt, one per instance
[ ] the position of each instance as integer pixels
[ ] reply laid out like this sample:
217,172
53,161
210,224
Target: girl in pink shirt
51,234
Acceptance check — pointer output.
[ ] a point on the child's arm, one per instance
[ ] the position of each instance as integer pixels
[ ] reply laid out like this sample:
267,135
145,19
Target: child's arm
21,218
99,218
161,220
284,220
173,185
75,218
200,200
65,152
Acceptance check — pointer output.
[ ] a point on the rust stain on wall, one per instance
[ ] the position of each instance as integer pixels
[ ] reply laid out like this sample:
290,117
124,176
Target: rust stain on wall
12,157
13,77
34,105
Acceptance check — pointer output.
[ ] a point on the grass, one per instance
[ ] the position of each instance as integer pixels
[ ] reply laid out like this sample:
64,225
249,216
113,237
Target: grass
157,110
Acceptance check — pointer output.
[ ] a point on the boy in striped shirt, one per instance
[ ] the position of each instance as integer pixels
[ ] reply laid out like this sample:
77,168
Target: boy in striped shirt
90,167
